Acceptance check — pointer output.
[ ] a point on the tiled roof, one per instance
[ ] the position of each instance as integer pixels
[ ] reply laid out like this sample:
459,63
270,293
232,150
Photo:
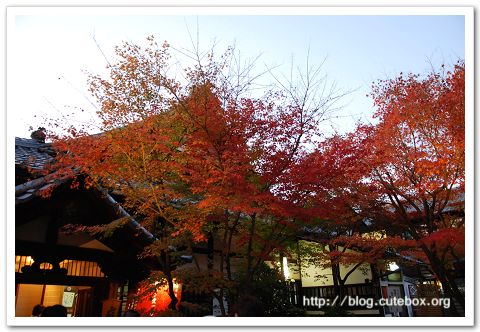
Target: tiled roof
31,153
26,191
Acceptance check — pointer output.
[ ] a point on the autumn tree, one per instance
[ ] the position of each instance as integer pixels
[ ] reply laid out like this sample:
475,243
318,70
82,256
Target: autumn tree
412,162
197,158
403,175
418,163
339,211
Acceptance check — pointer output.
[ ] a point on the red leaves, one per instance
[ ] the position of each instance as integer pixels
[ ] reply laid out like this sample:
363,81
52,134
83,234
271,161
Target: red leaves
420,135
402,174
200,156
447,241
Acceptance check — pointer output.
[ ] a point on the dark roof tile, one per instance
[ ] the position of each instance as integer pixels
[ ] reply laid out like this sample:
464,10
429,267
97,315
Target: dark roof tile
31,153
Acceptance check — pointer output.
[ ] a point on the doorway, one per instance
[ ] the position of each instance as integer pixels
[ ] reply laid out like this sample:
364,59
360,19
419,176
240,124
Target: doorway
77,299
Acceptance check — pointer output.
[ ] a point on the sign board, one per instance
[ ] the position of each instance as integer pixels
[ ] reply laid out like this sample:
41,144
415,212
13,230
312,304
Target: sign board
68,299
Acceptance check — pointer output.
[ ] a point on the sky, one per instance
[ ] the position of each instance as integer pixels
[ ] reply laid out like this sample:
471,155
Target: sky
48,53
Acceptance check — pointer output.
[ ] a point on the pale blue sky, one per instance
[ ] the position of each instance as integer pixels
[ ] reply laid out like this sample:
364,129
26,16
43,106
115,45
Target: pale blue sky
48,53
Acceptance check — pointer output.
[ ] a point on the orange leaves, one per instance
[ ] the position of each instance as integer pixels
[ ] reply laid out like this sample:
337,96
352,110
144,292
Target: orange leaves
200,155
400,175
420,131
415,157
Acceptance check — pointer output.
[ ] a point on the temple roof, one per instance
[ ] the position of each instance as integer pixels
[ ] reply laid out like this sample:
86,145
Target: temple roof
32,154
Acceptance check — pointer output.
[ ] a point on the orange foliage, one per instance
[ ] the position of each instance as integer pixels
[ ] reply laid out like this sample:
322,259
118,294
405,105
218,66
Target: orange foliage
203,158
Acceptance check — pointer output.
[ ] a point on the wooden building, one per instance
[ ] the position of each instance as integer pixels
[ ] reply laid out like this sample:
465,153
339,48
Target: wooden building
86,273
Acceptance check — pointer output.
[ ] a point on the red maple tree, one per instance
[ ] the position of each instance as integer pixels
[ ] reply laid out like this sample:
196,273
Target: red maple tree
407,172
417,161
403,176
198,159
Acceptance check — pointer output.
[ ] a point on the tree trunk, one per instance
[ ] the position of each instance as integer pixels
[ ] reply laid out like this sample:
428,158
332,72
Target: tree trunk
249,274
222,305
166,270
448,284
336,280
